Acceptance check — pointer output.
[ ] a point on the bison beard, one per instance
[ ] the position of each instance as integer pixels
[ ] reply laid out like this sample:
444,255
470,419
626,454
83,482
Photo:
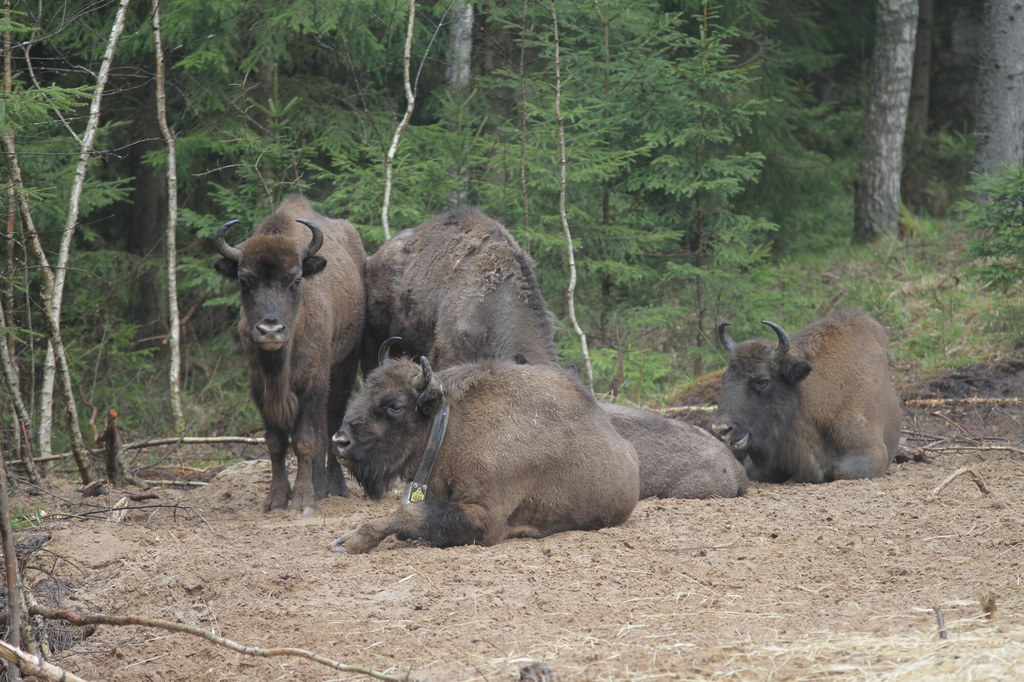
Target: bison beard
528,452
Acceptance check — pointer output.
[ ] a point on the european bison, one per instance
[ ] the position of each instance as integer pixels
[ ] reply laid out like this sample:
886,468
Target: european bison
815,407
303,309
527,452
677,459
457,288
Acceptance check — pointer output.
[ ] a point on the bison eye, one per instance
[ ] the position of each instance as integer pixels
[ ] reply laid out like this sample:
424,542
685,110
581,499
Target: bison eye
295,283
761,384
395,408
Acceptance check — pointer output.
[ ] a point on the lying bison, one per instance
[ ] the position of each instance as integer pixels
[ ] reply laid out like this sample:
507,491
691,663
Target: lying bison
815,407
677,459
518,451
303,303
457,289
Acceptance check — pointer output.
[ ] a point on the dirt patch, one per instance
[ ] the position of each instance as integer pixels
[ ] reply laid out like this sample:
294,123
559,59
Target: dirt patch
842,580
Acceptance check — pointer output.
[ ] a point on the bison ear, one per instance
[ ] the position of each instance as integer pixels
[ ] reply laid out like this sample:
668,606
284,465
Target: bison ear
226,267
312,265
429,401
794,371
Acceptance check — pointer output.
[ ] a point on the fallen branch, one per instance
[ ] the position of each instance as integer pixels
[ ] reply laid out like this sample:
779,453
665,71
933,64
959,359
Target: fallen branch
156,442
118,512
103,619
978,480
682,409
34,665
950,402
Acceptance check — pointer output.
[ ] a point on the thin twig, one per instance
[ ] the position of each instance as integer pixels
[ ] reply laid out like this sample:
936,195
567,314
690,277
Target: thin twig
941,620
125,508
978,479
103,619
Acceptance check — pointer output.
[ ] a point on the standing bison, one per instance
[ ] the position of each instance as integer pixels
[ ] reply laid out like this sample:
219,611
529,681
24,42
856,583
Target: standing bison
303,307
815,407
517,450
677,459
457,289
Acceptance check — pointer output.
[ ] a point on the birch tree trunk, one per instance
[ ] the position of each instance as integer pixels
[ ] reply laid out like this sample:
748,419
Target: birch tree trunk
877,189
174,320
54,278
570,293
457,77
410,103
999,109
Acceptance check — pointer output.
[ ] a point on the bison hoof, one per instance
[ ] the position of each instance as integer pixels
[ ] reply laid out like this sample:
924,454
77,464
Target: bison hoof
275,502
338,544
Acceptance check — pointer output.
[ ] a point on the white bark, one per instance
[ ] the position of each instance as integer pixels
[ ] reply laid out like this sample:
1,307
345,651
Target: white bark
570,293
877,190
54,290
410,102
174,321
458,72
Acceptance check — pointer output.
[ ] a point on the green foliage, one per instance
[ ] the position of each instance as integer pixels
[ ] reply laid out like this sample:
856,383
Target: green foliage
996,220
711,150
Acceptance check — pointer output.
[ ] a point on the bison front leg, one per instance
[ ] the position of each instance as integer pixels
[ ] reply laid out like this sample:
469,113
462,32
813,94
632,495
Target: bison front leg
440,523
280,491
304,494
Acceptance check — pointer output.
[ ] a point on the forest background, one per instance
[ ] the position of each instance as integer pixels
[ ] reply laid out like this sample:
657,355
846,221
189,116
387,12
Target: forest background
715,163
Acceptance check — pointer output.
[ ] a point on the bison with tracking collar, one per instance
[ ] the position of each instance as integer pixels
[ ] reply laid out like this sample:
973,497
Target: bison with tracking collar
457,288
303,309
817,406
526,452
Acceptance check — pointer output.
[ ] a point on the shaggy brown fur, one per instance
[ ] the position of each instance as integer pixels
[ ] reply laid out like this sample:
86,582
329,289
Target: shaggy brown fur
528,452
678,459
815,407
301,325
457,288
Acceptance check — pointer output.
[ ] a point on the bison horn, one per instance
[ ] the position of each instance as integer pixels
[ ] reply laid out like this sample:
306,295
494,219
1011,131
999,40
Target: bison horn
423,380
783,348
724,338
384,354
316,242
223,248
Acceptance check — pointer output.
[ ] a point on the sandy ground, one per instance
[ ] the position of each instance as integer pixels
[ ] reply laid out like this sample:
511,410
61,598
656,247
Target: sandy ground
844,580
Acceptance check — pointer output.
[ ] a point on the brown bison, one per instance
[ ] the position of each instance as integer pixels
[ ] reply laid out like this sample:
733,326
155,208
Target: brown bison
813,407
677,459
526,452
303,307
457,288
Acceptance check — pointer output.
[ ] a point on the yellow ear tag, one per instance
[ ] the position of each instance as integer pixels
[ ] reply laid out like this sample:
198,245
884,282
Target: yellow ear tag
417,495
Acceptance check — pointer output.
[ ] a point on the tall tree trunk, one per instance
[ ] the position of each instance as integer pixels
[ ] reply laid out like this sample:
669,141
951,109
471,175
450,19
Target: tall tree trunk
563,163
999,113
920,85
458,76
410,103
54,284
174,320
877,189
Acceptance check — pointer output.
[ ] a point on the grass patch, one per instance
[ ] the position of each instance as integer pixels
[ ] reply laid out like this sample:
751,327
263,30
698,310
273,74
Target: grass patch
939,312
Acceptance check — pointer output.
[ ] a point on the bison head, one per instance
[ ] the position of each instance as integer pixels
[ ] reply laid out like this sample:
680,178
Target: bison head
386,427
269,270
759,394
